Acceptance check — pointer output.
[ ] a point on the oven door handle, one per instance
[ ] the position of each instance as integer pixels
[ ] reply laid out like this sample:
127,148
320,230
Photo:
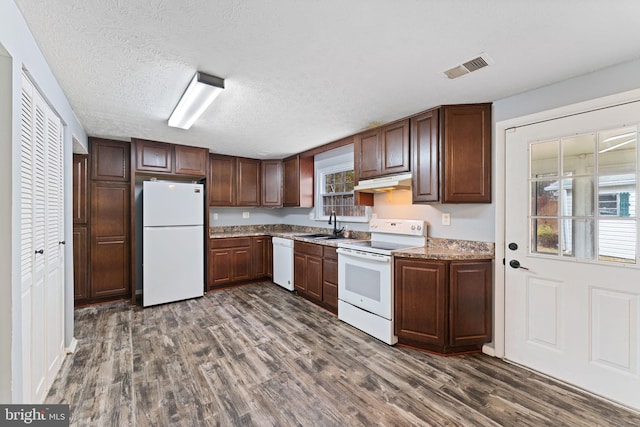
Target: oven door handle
363,255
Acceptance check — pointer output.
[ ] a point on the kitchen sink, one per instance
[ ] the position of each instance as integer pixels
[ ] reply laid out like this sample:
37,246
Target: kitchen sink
321,236
315,236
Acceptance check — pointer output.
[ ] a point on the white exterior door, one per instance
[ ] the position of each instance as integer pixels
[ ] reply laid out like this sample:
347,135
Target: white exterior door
41,231
572,280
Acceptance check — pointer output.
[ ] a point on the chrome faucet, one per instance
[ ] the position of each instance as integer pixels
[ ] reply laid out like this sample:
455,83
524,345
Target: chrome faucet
335,224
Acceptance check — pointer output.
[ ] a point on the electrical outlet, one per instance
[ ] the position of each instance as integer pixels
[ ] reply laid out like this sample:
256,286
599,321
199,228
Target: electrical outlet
245,215
215,216
311,215
446,219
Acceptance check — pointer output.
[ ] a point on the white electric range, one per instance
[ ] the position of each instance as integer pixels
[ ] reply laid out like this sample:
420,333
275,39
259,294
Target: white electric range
365,275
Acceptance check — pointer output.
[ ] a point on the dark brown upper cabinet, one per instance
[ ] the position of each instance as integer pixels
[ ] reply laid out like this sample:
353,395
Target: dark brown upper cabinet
395,148
466,153
298,181
191,161
426,157
383,151
154,156
221,181
247,182
451,152
271,183
109,160
162,158
367,154
233,181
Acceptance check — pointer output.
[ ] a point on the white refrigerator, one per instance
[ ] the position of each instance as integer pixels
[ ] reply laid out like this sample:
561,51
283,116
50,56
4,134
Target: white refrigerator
173,242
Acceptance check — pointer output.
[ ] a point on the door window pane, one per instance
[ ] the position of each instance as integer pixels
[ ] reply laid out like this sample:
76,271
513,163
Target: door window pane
577,196
578,237
544,159
617,240
545,236
544,198
617,150
617,195
578,154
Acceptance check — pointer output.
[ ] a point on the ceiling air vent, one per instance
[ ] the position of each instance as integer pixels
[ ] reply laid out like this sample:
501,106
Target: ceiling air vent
470,66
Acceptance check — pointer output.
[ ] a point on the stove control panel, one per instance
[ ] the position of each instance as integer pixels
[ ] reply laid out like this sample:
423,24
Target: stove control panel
408,227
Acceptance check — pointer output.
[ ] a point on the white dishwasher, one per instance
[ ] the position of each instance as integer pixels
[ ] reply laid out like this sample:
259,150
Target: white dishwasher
283,262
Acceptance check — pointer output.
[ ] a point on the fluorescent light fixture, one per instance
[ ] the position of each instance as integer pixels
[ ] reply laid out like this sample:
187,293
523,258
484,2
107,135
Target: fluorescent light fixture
200,93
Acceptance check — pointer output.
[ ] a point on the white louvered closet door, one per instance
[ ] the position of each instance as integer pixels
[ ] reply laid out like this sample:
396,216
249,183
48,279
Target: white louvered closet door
54,249
26,230
42,260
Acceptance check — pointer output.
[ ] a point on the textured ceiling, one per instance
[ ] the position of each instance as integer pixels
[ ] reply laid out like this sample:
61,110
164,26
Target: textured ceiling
303,73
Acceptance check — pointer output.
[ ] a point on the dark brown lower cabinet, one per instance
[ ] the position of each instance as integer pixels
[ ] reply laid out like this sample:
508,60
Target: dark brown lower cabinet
443,306
110,251
307,270
330,278
315,274
234,260
269,260
229,261
260,256
80,264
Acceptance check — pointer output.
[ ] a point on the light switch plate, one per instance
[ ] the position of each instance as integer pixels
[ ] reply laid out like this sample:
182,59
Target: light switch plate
245,215
215,216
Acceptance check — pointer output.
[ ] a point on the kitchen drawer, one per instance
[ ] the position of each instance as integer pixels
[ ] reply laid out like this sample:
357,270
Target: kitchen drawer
230,242
308,248
330,252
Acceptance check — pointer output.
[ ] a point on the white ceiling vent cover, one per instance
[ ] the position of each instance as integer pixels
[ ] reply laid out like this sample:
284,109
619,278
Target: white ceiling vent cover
470,66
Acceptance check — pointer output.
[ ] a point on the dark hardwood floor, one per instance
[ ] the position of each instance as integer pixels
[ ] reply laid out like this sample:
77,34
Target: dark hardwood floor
259,356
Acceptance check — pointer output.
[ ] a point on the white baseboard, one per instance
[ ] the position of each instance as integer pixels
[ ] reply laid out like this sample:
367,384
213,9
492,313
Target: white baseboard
489,350
72,346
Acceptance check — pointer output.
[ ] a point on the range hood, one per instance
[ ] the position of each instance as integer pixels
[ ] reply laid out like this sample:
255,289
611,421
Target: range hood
386,183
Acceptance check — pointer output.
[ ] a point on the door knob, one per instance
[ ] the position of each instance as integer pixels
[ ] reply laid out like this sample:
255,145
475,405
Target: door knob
513,246
514,263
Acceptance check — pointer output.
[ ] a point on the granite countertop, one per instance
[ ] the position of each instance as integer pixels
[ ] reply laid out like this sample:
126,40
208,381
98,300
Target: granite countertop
285,235
443,254
285,231
450,250
436,249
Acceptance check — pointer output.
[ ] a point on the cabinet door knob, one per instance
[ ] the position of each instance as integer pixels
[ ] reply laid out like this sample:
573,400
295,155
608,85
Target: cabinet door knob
61,242
41,251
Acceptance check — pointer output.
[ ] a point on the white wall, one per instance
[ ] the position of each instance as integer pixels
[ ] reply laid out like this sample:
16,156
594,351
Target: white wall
468,221
616,79
5,226
259,216
20,45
